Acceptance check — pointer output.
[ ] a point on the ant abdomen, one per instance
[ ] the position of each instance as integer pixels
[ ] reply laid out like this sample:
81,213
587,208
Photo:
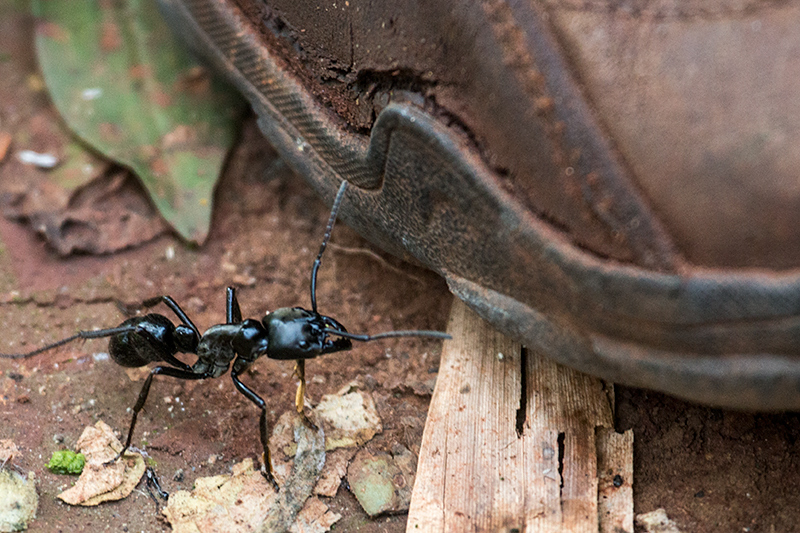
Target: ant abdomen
150,337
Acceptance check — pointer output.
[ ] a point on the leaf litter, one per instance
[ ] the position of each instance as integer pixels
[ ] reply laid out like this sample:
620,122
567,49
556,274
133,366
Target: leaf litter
101,481
18,497
243,501
125,87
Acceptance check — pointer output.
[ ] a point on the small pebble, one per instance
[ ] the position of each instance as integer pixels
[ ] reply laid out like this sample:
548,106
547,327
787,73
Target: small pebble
29,157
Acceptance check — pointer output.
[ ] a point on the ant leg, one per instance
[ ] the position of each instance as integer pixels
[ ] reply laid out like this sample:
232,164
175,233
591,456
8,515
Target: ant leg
174,361
262,424
167,371
152,482
173,305
299,399
233,313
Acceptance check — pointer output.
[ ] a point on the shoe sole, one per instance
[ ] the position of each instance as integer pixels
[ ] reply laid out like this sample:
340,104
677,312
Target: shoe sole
420,191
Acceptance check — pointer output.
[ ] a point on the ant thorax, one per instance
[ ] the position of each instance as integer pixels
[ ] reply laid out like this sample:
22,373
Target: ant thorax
215,352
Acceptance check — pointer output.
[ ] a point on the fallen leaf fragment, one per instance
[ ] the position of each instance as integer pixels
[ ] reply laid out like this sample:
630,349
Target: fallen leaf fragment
18,498
8,450
315,517
232,503
137,374
657,522
102,482
334,470
350,418
131,108
381,482
107,214
244,502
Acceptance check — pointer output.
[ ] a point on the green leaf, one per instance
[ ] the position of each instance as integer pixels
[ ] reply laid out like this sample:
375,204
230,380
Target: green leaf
126,88
66,462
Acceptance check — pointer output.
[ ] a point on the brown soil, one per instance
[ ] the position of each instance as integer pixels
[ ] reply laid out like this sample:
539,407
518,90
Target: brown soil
712,469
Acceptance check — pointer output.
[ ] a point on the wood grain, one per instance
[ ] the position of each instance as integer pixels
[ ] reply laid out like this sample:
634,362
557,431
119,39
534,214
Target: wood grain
500,453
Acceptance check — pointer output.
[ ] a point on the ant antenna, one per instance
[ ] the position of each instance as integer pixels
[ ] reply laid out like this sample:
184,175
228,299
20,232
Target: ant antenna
328,229
388,334
97,334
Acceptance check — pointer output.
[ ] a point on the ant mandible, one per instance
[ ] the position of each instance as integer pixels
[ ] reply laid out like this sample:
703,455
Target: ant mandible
286,333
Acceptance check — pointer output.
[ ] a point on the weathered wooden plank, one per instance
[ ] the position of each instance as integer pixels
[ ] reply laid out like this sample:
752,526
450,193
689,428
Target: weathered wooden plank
493,458
615,480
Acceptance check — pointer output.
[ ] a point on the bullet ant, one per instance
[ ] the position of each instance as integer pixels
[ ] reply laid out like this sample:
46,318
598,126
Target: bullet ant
286,333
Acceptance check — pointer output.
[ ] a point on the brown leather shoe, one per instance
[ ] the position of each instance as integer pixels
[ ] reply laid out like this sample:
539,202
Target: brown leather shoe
613,183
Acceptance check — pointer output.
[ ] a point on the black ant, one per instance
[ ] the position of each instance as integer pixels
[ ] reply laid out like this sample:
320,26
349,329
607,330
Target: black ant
286,333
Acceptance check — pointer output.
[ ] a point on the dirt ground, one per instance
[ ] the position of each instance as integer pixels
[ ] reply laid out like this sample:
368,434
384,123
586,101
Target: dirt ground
264,245
711,470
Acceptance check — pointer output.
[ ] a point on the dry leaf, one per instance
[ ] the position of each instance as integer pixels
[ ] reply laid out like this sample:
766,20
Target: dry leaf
657,522
381,482
315,517
226,503
350,418
244,502
335,468
7,450
100,482
18,500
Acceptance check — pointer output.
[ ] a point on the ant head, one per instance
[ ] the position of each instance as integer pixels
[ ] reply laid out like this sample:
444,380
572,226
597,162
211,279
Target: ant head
296,333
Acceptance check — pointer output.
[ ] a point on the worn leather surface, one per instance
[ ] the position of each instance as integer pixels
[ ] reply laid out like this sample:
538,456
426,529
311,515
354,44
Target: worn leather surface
493,74
700,98
519,196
